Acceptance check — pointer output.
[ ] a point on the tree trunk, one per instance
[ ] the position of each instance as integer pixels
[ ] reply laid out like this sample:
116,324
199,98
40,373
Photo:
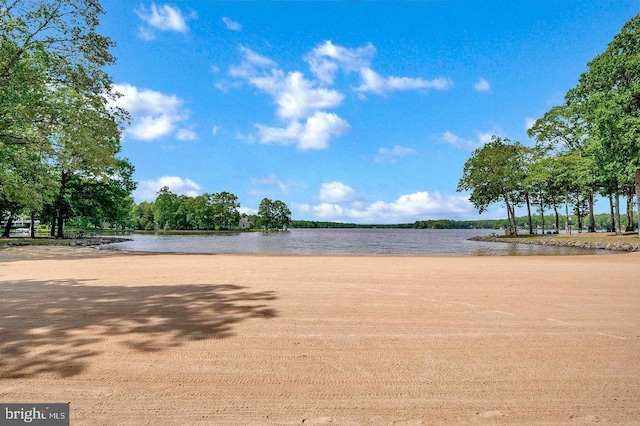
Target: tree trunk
616,213
579,213
555,209
638,198
542,214
509,215
526,197
52,230
567,227
60,227
61,207
33,224
613,214
629,210
7,228
592,218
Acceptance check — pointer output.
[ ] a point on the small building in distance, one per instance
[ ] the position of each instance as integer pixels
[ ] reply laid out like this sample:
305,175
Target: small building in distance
245,224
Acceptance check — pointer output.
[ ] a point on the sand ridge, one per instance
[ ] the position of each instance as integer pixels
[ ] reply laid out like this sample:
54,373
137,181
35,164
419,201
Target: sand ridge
225,339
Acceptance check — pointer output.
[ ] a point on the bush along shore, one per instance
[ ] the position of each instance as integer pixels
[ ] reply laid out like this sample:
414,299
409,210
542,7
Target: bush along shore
565,241
72,242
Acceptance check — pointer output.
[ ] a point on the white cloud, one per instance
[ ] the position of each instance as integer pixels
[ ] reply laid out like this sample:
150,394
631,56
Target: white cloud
161,18
315,133
147,189
373,82
469,144
296,96
392,154
271,181
232,25
302,103
251,65
459,142
215,130
326,59
405,209
338,192
186,135
482,85
300,98
154,114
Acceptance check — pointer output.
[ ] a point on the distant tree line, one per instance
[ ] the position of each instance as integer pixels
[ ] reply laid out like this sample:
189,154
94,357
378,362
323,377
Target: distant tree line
218,211
602,222
588,146
314,224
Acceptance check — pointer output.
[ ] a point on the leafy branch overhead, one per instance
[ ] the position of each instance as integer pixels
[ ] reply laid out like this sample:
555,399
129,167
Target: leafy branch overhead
58,127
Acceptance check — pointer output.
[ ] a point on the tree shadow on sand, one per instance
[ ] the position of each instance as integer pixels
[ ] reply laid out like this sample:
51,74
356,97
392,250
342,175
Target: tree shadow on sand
55,326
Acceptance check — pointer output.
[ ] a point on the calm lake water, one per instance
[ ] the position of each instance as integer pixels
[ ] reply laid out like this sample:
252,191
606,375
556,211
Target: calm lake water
376,242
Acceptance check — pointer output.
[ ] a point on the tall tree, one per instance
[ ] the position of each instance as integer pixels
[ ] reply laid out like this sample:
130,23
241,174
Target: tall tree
226,208
274,214
494,173
54,92
608,94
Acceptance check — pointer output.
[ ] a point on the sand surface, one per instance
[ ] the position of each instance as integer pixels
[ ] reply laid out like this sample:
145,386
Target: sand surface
221,339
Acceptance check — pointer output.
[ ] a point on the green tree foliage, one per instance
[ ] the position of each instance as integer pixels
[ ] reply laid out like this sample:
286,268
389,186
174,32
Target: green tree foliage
180,212
608,97
589,145
495,173
57,124
274,214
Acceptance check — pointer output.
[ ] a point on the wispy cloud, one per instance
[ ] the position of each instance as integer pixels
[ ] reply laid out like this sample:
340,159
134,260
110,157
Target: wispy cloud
374,83
154,114
327,59
271,181
161,18
147,189
296,96
232,25
392,154
470,144
482,85
340,202
303,104
186,135
314,133
300,103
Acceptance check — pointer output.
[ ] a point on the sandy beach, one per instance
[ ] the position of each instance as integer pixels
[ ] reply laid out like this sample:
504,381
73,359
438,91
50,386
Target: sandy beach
133,339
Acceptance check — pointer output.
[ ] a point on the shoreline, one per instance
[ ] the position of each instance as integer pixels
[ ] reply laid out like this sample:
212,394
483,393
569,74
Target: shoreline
579,240
589,241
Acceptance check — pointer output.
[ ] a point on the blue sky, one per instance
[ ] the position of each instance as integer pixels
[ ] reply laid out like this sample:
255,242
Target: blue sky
350,111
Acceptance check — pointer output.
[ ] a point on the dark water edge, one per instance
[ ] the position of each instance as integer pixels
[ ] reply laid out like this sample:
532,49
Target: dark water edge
345,242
